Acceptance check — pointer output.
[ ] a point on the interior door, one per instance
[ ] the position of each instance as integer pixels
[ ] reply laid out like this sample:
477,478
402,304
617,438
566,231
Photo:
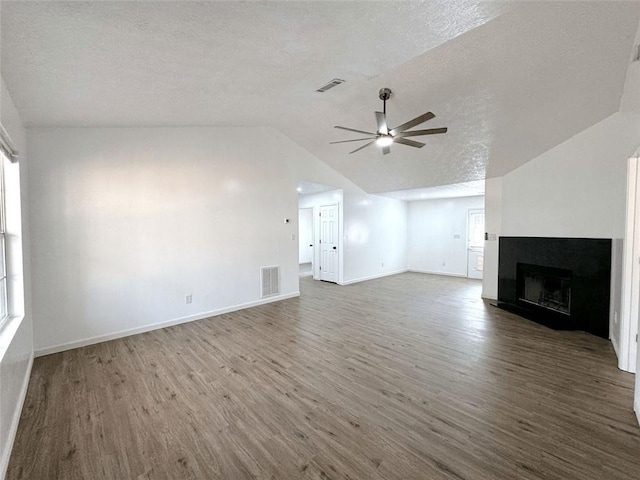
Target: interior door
475,250
329,243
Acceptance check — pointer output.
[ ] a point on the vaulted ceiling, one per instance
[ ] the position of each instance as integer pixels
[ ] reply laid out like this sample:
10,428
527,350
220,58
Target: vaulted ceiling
509,79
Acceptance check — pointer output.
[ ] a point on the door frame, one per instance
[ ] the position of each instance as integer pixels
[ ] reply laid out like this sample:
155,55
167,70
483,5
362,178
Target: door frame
468,249
313,237
315,201
627,346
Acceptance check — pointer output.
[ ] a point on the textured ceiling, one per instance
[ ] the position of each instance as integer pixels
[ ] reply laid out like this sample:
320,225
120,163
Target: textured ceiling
509,79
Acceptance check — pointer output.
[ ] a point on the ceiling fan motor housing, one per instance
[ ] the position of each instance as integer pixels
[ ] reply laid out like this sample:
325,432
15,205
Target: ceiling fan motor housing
385,94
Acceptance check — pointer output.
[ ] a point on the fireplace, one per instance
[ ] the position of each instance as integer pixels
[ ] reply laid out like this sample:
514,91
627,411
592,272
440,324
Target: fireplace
544,287
563,283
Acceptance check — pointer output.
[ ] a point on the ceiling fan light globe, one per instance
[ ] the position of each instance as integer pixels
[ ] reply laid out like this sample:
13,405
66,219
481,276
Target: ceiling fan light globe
384,140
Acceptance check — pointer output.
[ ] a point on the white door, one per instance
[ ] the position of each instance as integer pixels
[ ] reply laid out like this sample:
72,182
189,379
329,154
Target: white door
329,243
475,256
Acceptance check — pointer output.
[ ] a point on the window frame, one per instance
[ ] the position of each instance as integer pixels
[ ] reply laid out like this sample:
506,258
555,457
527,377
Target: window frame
4,280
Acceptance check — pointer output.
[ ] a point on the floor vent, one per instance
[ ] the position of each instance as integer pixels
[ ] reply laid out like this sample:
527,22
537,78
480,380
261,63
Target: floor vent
270,281
333,83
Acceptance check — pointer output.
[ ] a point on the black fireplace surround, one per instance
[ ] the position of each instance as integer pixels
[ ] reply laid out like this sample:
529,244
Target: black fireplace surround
563,283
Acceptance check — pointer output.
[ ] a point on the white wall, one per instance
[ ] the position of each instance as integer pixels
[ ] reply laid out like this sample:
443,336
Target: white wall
576,189
127,221
375,236
493,226
16,337
305,235
437,239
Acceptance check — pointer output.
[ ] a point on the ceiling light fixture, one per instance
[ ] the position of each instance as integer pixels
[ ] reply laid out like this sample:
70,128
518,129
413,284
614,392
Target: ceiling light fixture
384,140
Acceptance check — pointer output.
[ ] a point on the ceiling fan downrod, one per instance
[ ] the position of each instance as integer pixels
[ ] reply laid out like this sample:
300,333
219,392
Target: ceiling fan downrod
384,94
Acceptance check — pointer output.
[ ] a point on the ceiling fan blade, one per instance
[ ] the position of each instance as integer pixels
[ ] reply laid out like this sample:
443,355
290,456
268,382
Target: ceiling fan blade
386,149
354,130
411,143
381,119
354,140
366,145
412,123
416,133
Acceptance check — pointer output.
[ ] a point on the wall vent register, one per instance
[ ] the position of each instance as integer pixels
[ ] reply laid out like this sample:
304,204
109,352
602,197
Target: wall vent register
270,281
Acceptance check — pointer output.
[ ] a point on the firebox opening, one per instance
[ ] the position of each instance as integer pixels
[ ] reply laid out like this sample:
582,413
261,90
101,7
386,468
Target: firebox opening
544,287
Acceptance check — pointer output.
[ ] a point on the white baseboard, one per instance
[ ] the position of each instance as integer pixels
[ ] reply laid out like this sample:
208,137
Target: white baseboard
446,274
156,326
371,277
13,429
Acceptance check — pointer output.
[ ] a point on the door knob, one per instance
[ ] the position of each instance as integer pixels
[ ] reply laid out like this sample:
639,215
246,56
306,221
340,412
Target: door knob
335,248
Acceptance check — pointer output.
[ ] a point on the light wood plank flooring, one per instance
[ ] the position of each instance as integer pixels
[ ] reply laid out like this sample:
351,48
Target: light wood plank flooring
405,377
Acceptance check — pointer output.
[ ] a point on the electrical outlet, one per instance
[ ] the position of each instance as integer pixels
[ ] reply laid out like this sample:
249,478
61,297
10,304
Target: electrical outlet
188,298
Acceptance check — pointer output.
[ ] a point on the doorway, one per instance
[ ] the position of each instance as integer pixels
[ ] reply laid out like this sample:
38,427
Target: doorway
624,327
305,241
325,204
475,247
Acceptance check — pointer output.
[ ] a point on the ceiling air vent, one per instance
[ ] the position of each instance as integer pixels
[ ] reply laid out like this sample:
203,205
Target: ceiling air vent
333,83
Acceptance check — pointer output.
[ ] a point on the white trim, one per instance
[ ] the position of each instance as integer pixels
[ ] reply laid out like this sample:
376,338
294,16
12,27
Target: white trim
156,326
372,277
488,298
13,429
630,272
8,329
615,346
446,274
636,408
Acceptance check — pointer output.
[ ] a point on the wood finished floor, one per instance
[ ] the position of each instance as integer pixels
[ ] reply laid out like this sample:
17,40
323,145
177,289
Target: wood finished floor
405,377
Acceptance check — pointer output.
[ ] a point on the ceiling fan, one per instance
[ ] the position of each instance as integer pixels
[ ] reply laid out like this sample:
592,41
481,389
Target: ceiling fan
384,136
